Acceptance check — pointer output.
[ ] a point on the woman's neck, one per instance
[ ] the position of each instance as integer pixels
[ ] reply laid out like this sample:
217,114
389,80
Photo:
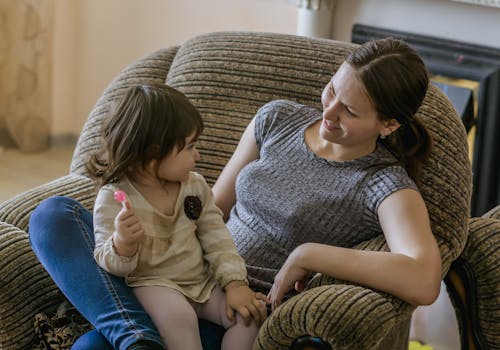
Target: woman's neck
334,151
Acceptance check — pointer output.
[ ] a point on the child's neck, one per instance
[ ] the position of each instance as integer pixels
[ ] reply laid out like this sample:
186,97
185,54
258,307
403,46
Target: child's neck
161,194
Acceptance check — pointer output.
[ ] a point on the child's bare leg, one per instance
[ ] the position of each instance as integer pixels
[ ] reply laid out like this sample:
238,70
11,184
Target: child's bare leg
173,315
238,336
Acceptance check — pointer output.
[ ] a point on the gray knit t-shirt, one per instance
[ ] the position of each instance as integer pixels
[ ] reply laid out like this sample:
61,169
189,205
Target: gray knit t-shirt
290,196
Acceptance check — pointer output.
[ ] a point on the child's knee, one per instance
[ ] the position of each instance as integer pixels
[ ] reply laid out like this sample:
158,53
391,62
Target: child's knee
250,327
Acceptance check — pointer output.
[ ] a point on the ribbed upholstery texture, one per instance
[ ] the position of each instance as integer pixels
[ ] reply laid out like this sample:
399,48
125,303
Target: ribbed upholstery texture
493,213
228,76
25,287
475,288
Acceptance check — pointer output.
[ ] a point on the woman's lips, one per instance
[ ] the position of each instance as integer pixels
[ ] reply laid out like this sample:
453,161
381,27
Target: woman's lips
329,125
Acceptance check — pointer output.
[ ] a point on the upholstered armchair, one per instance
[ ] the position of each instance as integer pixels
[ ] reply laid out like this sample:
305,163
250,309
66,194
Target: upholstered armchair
228,76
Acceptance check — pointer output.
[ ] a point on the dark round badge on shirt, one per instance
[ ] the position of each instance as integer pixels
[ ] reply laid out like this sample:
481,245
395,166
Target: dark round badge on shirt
192,207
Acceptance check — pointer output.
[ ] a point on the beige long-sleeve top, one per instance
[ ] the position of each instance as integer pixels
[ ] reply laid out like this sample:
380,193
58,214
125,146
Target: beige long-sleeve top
189,255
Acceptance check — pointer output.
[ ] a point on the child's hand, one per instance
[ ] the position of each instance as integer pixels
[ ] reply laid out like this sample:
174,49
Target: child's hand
246,302
128,231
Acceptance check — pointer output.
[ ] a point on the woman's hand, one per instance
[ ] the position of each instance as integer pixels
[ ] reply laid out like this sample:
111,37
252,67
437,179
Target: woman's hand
246,302
291,275
128,231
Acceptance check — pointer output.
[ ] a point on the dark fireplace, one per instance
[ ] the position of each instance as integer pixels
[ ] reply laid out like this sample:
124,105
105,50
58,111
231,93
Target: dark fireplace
480,64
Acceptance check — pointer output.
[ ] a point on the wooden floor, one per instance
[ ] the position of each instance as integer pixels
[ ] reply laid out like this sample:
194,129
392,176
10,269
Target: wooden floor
435,325
22,171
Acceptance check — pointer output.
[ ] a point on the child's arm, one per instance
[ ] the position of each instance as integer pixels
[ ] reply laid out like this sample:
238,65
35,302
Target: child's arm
246,302
111,247
216,241
228,266
128,228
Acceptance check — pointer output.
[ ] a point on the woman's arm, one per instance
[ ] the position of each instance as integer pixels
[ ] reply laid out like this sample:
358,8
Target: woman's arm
410,271
224,188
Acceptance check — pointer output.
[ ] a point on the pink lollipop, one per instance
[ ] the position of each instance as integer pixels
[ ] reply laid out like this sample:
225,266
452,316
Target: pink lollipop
121,197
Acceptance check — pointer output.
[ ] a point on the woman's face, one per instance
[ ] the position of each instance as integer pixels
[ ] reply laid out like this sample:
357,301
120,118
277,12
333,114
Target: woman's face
349,117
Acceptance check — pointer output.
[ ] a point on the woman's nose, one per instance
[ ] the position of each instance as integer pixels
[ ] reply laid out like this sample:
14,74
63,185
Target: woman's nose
197,155
331,111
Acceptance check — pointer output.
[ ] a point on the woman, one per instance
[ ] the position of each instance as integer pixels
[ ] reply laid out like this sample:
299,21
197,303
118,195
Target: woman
339,179
301,184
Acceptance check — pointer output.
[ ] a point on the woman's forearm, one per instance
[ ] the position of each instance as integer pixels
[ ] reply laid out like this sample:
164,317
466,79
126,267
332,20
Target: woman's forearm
416,281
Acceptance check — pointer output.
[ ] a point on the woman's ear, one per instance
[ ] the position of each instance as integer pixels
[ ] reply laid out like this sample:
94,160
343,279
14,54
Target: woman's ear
389,127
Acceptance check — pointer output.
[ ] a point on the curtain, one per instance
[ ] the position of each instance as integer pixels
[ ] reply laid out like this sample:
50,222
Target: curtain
486,160
25,73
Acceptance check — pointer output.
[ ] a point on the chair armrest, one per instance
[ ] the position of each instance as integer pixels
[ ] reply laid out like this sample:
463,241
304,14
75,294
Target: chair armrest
493,213
26,288
17,210
472,284
345,316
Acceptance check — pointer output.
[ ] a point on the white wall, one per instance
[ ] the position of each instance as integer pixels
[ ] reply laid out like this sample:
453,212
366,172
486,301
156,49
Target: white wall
65,118
444,18
95,39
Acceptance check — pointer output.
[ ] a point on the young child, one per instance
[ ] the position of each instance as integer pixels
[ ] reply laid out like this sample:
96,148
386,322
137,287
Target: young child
168,239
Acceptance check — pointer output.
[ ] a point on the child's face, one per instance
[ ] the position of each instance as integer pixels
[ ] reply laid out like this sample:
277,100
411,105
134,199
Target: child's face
176,165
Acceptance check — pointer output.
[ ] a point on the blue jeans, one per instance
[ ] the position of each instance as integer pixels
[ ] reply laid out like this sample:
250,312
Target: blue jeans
62,237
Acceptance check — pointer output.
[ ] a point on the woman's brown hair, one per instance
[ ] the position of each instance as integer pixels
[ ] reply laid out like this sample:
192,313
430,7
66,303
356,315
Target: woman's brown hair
148,122
396,80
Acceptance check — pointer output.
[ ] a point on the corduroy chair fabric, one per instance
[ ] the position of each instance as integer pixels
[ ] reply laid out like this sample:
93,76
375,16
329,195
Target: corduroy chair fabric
473,284
228,76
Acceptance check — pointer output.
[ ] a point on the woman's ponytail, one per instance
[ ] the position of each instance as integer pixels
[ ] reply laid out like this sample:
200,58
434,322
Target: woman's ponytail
412,144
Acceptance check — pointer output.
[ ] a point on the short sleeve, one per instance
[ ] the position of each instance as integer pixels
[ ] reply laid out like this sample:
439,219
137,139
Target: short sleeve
384,182
264,121
276,119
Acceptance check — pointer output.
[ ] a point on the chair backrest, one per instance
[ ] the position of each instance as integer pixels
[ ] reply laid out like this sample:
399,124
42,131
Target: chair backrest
229,75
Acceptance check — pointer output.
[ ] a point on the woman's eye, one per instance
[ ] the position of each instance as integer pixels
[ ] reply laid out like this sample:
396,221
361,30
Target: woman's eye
349,111
332,91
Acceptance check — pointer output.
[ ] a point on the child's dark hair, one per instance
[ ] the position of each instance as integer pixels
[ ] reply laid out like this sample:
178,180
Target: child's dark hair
147,124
